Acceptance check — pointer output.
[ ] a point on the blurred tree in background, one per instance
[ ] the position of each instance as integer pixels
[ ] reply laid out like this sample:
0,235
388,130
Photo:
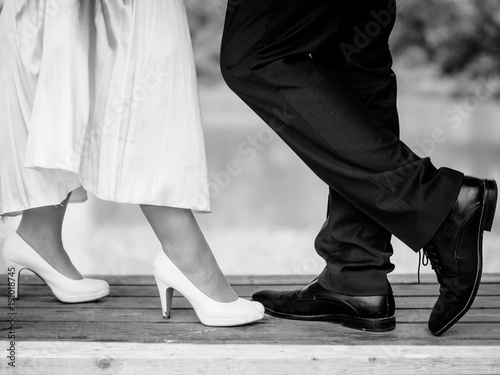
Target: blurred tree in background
451,38
455,36
206,20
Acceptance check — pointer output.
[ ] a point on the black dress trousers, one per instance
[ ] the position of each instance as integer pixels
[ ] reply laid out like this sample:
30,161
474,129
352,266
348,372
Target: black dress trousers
319,73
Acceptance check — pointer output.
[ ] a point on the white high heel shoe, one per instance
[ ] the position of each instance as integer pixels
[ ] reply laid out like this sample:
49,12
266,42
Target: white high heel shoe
19,255
211,313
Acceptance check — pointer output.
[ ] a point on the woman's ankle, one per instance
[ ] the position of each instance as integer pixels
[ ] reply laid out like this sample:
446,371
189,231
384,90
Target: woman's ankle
204,272
51,249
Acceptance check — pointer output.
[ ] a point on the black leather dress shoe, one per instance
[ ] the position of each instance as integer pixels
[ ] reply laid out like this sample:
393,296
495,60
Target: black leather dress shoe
313,302
455,252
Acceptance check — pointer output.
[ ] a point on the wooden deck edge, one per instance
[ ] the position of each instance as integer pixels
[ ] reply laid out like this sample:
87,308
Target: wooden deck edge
132,358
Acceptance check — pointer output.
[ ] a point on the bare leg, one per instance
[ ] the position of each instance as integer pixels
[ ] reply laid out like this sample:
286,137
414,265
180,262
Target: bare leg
184,243
41,228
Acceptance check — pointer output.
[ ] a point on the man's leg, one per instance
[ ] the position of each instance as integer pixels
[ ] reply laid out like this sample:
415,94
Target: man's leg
267,60
357,250
267,63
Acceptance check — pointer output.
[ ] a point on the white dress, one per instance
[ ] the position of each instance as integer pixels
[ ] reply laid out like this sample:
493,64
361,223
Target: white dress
100,94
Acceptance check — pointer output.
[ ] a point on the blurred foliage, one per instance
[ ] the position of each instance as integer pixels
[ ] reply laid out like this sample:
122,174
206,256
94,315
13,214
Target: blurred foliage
206,20
454,37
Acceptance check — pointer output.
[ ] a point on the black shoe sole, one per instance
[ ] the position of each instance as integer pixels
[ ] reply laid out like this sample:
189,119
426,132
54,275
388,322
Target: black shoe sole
490,198
371,325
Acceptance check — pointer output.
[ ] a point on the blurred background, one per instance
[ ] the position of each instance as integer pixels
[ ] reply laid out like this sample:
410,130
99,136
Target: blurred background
265,218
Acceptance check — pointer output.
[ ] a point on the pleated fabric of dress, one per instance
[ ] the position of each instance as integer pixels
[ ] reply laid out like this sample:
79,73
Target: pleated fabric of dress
100,94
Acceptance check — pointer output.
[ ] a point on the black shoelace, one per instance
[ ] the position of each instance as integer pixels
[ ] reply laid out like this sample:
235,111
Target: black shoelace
429,253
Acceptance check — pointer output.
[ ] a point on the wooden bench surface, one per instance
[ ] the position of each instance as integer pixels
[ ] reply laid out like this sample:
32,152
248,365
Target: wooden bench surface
125,333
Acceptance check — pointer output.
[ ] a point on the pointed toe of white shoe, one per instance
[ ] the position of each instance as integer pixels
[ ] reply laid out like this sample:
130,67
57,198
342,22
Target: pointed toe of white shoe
78,291
231,314
19,255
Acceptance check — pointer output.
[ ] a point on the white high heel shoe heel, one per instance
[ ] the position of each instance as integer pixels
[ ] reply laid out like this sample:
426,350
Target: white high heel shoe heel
19,255
211,313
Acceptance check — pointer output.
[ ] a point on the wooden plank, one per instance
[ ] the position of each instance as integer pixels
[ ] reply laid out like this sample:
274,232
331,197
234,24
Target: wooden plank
69,314
431,278
268,331
472,316
49,302
247,291
92,358
28,277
